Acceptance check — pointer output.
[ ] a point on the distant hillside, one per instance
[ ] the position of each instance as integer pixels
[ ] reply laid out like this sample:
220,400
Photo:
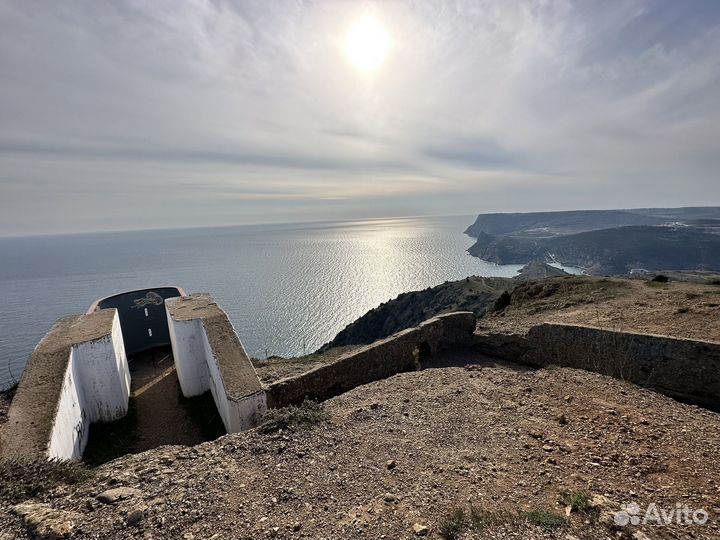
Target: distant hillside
546,224
476,294
610,251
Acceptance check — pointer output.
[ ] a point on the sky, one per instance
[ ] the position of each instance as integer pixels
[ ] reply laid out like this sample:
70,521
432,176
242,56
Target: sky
120,114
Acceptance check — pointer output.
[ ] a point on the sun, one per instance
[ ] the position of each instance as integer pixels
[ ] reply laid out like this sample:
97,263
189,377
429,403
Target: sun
366,43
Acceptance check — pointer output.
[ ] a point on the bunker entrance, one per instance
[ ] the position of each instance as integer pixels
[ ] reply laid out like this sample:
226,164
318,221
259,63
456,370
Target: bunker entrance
142,317
158,413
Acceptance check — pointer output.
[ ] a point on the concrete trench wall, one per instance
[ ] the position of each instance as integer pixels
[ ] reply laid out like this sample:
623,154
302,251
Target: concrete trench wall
96,389
379,360
209,356
71,426
684,369
77,375
188,341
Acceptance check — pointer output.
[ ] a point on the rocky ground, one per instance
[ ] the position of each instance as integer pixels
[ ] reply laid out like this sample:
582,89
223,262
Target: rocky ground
410,457
679,309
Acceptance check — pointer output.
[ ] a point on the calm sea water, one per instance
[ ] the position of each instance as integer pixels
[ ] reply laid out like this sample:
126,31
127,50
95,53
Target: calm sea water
286,288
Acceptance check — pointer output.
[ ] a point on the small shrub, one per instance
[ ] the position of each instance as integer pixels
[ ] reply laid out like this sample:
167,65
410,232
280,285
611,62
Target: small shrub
452,523
9,393
480,519
292,417
502,301
545,519
23,478
580,502
660,278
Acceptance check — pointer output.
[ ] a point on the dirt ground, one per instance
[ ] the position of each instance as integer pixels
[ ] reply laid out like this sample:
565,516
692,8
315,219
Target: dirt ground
397,456
159,415
688,310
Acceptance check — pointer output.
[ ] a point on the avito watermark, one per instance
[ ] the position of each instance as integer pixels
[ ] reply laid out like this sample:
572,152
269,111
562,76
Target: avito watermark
680,514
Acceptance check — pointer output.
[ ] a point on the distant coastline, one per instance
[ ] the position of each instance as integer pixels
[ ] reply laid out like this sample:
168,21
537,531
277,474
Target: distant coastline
603,242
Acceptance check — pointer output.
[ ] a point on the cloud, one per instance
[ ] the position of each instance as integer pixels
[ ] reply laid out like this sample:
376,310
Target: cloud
215,112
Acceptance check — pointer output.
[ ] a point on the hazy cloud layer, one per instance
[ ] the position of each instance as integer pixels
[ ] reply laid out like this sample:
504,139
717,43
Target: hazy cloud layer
134,114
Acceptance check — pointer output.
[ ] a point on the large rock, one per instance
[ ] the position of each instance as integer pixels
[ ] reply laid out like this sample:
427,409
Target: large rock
114,495
45,522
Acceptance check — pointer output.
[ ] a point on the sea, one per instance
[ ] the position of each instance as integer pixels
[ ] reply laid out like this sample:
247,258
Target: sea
287,288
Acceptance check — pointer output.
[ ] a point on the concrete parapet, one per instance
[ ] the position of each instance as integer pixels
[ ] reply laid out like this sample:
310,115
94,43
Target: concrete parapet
684,369
379,360
77,375
209,356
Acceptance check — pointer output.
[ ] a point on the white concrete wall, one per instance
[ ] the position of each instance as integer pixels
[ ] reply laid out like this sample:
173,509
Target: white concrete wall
237,415
186,338
70,428
96,389
104,376
198,371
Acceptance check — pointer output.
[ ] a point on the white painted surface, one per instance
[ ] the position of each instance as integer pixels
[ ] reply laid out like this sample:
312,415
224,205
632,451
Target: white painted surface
70,429
96,388
186,338
198,371
237,415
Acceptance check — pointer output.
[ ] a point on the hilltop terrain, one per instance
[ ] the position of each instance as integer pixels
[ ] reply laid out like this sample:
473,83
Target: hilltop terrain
678,309
603,242
491,451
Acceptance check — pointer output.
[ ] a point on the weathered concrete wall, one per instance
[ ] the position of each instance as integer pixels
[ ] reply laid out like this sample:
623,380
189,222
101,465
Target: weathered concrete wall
187,338
379,360
209,356
681,368
77,375
70,429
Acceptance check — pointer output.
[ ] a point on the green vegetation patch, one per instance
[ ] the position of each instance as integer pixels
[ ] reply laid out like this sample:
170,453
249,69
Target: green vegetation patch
543,518
479,519
23,478
306,415
580,501
456,521
452,523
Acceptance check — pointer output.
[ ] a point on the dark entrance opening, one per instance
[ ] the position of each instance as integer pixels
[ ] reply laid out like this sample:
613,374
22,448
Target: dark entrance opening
142,316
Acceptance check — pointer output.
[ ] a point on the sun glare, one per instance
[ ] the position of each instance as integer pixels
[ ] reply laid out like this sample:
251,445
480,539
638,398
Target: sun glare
366,43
